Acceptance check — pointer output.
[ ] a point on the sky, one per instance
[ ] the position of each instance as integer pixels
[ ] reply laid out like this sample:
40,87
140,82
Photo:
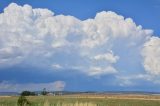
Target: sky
87,45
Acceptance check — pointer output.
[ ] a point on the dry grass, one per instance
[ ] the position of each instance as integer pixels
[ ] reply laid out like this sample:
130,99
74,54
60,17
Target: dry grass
47,103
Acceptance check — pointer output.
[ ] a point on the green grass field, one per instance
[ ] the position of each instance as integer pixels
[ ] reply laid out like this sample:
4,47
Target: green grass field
70,101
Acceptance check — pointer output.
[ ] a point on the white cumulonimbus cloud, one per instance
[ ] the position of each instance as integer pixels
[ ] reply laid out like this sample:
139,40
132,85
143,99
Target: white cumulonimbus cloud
151,55
95,46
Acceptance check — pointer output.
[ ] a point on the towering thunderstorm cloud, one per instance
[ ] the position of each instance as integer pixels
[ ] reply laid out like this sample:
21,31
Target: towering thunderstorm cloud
106,45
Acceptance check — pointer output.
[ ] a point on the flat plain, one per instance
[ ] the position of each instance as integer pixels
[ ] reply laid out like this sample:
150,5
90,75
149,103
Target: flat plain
86,100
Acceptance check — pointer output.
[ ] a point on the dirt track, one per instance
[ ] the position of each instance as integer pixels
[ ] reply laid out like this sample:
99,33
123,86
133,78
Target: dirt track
4,96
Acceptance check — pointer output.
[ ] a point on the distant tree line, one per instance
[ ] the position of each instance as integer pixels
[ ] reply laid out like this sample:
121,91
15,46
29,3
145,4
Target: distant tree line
28,93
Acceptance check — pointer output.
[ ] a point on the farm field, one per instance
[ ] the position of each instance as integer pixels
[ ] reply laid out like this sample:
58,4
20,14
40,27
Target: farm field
85,100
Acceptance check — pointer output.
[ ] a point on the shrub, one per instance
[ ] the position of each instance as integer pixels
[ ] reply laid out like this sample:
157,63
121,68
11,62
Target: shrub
22,101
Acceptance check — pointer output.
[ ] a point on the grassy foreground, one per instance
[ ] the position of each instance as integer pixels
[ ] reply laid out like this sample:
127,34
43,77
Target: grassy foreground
79,101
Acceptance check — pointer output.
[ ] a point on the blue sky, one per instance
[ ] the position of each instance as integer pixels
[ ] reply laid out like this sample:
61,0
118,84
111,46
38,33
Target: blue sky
88,45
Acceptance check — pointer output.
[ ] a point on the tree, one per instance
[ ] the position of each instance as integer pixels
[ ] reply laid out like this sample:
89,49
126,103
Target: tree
44,92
